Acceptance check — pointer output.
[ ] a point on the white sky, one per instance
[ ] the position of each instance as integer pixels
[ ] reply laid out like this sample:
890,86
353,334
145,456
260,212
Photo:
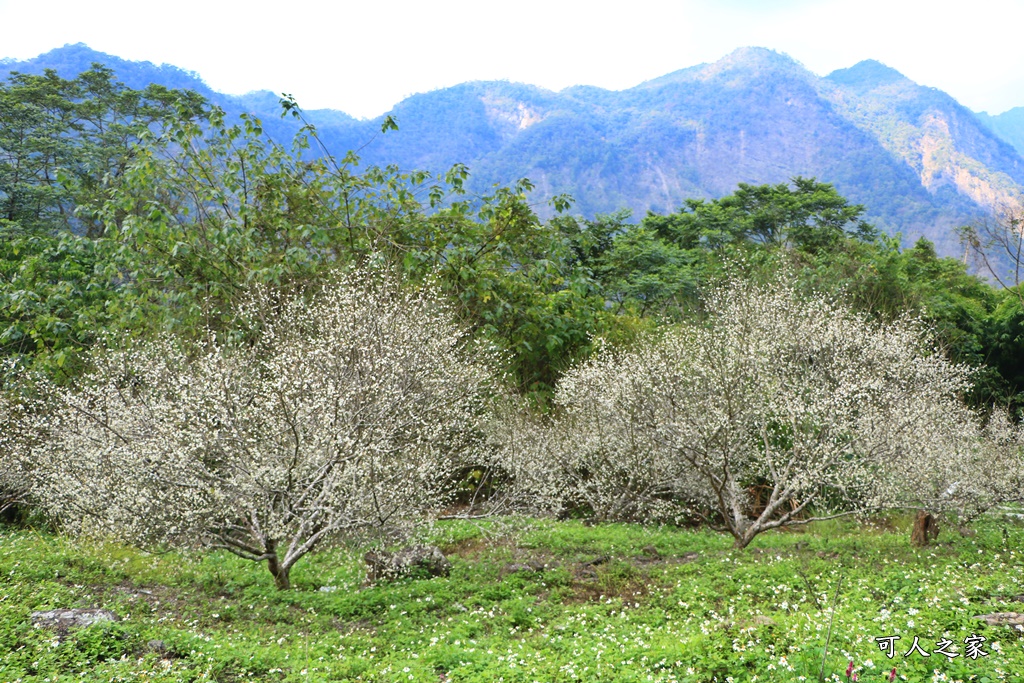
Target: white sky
363,57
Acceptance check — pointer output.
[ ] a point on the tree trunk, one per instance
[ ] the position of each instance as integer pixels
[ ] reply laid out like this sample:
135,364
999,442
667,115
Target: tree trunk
744,538
926,529
277,570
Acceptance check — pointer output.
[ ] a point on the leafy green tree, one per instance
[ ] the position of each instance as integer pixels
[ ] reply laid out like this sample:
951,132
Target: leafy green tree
640,272
656,268
516,281
809,215
220,206
65,146
1004,343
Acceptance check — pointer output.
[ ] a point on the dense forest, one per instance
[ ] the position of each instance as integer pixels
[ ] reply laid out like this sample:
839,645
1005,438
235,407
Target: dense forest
920,162
143,212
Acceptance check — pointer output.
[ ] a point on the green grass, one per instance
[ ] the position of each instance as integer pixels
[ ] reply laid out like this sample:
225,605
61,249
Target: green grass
695,610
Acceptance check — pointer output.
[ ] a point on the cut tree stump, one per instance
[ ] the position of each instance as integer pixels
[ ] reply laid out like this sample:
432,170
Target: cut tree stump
926,529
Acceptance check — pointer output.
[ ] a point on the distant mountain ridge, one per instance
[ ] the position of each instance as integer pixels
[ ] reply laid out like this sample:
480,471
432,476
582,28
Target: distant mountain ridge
919,161
930,131
1009,126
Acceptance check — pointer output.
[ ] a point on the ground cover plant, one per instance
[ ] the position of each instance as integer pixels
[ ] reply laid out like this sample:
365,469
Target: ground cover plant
614,603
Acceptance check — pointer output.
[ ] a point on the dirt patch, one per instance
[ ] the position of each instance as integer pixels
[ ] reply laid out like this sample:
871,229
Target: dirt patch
584,589
472,548
163,598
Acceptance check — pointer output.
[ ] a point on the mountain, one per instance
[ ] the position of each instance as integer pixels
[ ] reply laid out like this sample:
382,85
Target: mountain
1009,126
955,158
920,162
71,60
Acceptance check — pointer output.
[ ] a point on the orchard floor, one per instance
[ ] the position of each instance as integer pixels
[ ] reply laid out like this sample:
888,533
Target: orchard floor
617,603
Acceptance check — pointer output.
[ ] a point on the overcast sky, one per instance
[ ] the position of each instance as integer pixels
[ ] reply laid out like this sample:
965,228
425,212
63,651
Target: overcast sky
363,57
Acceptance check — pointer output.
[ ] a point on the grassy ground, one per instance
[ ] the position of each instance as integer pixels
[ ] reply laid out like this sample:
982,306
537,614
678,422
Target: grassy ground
666,605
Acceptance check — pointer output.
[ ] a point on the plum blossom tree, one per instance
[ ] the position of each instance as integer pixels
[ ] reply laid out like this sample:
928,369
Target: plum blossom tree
1001,480
328,416
13,479
794,398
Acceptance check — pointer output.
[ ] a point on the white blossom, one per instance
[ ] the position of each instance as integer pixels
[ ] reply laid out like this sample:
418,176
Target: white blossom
348,412
792,399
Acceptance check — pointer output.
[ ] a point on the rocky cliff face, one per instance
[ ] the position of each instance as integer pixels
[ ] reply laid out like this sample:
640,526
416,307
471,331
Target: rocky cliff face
932,133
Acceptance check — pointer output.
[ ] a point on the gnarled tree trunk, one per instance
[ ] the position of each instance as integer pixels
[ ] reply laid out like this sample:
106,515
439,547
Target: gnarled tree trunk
278,570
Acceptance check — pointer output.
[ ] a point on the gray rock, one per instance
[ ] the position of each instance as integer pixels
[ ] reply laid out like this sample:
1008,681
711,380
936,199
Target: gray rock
756,621
418,558
65,619
1002,619
533,566
602,559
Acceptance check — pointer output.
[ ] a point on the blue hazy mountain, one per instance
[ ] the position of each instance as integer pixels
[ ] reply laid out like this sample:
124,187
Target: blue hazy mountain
1009,126
71,60
919,161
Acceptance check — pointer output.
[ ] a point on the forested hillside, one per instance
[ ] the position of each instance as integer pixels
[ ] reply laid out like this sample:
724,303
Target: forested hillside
919,162
143,210
1009,126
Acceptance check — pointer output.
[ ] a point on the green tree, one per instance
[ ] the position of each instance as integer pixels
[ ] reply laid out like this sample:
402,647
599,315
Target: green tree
65,146
809,215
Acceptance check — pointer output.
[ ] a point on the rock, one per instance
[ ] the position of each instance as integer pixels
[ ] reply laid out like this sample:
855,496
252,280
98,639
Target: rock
65,619
757,620
596,561
418,558
533,566
1002,619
